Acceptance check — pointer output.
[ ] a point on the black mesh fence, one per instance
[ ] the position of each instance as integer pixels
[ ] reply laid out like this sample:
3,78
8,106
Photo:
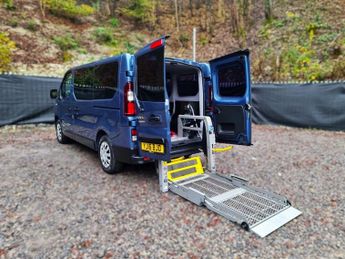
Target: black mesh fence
25,99
317,105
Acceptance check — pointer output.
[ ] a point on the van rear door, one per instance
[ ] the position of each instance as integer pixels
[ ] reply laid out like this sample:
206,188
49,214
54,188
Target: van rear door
231,98
153,115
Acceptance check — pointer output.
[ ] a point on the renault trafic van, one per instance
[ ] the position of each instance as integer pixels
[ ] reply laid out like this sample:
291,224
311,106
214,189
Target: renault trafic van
126,107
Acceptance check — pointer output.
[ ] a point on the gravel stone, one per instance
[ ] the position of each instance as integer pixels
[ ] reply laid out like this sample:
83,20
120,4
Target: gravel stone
56,202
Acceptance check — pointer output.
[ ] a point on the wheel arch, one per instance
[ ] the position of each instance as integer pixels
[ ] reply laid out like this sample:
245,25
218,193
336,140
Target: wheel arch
100,134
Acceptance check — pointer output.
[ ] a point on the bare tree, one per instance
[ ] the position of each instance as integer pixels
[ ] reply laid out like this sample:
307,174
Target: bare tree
177,16
268,9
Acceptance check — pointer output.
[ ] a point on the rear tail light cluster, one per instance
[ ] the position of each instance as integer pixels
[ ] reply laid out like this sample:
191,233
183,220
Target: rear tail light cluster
129,100
134,134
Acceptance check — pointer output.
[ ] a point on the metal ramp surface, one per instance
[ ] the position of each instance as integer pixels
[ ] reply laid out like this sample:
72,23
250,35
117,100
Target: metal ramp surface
254,209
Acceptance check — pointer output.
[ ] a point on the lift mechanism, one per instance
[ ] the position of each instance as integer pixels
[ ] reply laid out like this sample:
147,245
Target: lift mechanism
255,209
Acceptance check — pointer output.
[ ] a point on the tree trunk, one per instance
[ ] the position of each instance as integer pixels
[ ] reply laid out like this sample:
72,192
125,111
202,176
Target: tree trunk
177,16
268,10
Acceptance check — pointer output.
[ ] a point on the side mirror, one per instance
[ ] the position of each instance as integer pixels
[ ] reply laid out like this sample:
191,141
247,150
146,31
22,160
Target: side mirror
53,93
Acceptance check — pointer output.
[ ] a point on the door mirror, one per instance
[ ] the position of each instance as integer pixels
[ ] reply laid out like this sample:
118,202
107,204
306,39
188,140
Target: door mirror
53,93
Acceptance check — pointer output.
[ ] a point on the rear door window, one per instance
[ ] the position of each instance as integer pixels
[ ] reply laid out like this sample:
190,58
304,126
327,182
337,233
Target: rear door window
187,85
150,73
232,79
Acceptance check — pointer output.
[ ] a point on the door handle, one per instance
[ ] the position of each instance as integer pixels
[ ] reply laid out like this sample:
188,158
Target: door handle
76,109
154,118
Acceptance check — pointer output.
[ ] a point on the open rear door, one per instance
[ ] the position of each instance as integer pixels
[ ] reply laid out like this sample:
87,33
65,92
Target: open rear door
232,98
153,116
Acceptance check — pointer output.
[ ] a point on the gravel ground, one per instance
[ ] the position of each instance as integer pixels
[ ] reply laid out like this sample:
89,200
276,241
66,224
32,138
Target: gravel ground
56,202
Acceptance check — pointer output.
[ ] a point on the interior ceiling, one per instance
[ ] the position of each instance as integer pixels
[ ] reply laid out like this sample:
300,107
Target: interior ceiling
177,68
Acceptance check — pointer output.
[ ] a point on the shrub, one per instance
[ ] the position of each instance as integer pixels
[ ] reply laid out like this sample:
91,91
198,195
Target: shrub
104,36
114,22
8,4
129,47
68,8
7,47
32,25
140,10
184,39
66,42
13,22
66,56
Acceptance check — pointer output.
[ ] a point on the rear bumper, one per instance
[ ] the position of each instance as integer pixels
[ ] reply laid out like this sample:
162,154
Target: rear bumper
128,156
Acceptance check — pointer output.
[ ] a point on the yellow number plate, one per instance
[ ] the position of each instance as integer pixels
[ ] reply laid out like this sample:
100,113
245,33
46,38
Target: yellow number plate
152,148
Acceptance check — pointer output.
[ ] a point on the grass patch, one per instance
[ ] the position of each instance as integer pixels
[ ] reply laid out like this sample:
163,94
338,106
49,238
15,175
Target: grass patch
66,42
32,25
104,35
114,22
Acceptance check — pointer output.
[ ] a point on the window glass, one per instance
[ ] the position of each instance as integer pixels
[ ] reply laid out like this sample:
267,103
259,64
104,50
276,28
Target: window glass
150,71
66,85
98,82
169,84
232,79
187,85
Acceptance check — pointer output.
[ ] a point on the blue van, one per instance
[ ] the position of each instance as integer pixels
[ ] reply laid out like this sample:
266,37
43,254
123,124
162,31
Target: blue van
126,107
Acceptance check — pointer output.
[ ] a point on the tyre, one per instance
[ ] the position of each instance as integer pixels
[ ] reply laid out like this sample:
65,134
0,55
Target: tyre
61,138
107,156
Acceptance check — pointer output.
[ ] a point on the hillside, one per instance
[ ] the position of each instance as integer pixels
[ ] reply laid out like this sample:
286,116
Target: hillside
290,40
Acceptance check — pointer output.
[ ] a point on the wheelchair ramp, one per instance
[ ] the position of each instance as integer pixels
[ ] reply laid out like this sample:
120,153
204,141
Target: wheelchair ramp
254,209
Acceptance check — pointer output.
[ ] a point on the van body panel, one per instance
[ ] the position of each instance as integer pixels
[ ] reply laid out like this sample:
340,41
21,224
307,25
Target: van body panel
231,98
153,114
89,114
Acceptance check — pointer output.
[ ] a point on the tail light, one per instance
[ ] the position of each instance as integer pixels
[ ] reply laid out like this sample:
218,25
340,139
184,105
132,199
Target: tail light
129,100
134,134
156,44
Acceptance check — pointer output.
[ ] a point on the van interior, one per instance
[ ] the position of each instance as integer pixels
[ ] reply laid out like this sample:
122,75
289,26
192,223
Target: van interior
185,91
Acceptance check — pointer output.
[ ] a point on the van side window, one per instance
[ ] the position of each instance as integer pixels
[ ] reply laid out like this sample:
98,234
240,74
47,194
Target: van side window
150,73
97,82
66,85
187,85
232,79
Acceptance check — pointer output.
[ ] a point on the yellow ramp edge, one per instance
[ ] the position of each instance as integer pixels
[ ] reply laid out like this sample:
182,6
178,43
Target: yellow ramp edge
180,168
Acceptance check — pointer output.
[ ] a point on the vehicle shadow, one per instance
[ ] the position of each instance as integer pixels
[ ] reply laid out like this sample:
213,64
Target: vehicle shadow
147,169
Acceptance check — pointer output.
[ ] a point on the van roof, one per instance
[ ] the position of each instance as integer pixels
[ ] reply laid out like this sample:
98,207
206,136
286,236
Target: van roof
101,61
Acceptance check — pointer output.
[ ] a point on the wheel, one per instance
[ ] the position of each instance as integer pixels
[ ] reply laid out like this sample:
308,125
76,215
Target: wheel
61,138
245,226
107,157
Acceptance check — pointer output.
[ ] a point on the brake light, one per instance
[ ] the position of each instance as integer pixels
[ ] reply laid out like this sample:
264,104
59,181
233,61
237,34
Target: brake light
134,134
129,100
156,44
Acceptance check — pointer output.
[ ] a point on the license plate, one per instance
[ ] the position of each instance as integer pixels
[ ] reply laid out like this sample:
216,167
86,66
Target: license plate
152,148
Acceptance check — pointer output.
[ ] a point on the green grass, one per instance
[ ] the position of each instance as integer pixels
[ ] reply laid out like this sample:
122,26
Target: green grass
66,42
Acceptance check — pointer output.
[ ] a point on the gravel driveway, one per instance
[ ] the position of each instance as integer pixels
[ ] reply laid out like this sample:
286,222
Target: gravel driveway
56,202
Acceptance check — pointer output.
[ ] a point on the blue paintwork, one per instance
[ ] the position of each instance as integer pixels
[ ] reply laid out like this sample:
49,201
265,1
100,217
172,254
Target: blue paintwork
84,120
154,130
233,101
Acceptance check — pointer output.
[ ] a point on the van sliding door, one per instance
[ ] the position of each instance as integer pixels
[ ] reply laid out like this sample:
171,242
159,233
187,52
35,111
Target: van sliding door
153,113
232,98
